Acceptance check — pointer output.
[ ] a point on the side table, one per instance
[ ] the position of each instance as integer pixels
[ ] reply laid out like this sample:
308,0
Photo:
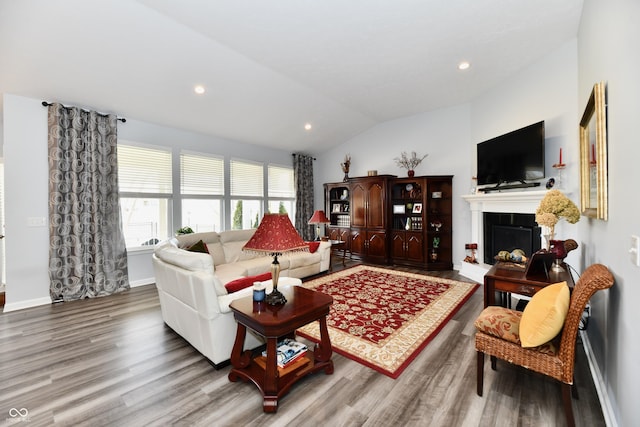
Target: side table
337,245
505,280
272,322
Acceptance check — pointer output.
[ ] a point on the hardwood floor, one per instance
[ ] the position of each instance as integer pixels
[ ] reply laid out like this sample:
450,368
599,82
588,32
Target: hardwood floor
111,361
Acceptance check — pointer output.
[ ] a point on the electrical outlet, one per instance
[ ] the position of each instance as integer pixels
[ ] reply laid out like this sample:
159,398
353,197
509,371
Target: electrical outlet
634,251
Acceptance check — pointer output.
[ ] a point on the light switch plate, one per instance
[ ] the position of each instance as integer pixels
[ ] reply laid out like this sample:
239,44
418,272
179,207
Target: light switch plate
634,251
38,221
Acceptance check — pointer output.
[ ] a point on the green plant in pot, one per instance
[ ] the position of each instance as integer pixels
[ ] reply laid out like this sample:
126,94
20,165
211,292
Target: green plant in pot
184,230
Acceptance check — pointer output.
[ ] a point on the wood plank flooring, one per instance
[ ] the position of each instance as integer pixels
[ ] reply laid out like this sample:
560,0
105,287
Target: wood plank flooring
112,361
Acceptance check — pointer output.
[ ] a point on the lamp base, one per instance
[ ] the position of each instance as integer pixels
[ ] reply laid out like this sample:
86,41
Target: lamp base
275,298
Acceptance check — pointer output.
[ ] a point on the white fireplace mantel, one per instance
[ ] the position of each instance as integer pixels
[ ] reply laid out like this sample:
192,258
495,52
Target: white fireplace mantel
500,202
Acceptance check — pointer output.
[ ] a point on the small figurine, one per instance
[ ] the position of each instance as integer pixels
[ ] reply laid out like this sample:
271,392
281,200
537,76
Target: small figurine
471,253
516,255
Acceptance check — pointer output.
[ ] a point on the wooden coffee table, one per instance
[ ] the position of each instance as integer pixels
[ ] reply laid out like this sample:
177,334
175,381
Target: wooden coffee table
272,322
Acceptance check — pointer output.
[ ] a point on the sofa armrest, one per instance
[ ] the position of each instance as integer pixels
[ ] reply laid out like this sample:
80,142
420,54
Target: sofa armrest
225,300
170,253
325,251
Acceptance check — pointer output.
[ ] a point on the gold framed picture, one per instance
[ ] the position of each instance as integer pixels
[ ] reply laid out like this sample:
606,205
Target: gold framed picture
593,155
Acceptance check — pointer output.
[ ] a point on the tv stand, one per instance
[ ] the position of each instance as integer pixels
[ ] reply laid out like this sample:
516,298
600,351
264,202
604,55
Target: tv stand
500,187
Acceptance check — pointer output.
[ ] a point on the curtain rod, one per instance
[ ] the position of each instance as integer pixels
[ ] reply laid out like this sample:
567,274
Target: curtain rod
296,154
122,119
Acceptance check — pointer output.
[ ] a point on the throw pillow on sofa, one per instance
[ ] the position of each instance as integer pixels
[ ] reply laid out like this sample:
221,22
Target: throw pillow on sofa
245,282
199,246
313,246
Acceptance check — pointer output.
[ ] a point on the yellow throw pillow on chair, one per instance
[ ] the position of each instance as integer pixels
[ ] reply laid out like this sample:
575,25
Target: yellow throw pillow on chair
543,317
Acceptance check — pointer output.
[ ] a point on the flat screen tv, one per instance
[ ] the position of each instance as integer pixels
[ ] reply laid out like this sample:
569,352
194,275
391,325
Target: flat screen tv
515,157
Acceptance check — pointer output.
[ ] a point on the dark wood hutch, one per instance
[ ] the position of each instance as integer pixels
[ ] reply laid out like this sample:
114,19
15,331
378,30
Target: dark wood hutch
389,220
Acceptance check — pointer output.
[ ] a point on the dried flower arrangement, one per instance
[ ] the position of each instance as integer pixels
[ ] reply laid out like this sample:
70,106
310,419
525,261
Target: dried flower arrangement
346,164
554,206
409,163
345,167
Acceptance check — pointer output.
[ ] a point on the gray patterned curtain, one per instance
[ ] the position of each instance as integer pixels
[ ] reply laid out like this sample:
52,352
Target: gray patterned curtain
303,179
87,252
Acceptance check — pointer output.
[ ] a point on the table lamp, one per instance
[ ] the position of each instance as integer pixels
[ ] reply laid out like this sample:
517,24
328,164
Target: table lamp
275,235
318,218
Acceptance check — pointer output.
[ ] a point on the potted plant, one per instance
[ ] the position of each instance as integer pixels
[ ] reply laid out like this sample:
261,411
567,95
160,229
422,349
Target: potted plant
184,230
554,206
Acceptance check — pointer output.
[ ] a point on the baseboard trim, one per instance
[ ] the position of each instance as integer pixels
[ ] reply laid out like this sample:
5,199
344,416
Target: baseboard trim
26,304
142,282
474,272
598,381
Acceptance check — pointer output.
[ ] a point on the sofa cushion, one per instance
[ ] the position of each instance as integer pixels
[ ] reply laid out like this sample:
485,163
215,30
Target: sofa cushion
500,322
302,259
192,261
199,246
232,242
245,282
216,252
229,272
263,264
233,252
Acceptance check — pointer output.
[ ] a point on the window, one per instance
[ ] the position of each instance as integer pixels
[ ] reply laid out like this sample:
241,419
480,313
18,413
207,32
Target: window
247,193
202,190
147,193
281,190
146,190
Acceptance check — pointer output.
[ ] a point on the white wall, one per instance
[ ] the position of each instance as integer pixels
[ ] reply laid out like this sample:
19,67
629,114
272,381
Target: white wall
26,188
546,90
26,195
443,134
608,38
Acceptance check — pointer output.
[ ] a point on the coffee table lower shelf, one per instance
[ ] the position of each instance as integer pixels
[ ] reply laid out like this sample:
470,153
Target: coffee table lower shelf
285,377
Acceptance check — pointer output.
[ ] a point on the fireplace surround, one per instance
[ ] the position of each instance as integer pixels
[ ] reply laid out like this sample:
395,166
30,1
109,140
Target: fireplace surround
505,202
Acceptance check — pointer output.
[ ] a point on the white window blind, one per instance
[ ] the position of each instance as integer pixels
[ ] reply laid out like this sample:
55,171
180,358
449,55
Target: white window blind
144,170
201,174
281,181
247,179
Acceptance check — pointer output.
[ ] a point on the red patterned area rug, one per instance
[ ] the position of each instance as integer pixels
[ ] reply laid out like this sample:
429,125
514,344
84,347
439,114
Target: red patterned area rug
384,318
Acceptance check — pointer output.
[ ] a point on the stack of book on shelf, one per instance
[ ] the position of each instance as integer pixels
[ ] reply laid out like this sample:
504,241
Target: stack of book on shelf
290,354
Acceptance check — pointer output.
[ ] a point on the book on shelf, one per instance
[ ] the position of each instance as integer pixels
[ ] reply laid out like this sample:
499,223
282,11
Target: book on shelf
288,351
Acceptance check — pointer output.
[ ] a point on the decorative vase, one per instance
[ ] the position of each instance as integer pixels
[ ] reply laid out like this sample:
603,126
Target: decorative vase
434,254
411,173
557,248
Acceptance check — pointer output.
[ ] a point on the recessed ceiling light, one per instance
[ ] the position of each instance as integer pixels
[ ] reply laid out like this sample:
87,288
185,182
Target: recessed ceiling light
464,65
199,89
307,126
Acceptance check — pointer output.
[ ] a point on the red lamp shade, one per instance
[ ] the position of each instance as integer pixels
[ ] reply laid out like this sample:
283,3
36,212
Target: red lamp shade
275,234
319,217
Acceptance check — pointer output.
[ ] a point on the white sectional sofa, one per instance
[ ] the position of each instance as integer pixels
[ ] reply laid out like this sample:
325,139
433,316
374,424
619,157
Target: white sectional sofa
193,298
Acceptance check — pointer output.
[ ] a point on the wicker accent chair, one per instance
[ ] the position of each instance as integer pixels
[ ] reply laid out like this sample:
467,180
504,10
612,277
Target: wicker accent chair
558,363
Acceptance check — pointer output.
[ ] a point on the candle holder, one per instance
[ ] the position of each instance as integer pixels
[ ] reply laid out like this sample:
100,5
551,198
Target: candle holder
559,167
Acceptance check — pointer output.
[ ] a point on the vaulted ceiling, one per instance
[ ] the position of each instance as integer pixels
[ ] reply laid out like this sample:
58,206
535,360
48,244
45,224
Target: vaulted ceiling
270,67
